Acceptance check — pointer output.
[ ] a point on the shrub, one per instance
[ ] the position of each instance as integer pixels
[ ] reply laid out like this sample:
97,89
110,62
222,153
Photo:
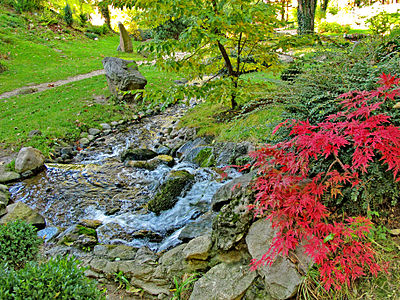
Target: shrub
68,15
59,278
98,30
18,243
3,68
381,23
291,192
333,27
83,18
26,5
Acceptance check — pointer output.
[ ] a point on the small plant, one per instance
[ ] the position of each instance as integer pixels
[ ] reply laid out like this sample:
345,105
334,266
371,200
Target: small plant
59,278
26,5
333,27
185,285
19,243
68,15
122,280
292,195
11,166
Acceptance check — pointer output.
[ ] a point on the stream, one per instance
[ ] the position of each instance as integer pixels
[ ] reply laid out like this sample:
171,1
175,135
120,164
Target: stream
96,185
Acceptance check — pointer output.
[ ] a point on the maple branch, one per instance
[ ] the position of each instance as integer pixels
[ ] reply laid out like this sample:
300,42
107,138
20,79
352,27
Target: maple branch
340,163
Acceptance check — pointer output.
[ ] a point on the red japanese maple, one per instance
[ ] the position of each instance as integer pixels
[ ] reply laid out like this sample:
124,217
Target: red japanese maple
292,199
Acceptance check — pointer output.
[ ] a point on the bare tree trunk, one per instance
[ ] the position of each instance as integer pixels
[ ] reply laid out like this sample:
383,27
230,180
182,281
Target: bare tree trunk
305,16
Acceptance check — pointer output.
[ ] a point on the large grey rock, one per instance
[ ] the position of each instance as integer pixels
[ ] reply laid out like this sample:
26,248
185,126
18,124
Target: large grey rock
236,188
21,211
227,153
29,159
125,42
175,185
122,76
8,176
201,226
198,248
153,163
223,282
281,278
234,218
115,252
4,199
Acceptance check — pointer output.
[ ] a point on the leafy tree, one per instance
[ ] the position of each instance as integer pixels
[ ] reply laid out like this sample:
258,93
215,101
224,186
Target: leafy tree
223,37
306,16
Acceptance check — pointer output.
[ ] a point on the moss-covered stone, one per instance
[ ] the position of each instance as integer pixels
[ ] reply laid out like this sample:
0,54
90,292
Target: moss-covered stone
138,154
205,157
170,190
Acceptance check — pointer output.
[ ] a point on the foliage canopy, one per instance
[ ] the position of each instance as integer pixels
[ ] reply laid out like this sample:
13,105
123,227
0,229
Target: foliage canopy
222,37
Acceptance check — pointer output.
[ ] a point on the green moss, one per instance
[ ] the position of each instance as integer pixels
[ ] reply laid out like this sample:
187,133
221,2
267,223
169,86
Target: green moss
86,231
205,158
170,190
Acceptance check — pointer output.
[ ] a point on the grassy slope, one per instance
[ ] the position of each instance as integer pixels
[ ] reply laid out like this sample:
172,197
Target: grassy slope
39,55
63,112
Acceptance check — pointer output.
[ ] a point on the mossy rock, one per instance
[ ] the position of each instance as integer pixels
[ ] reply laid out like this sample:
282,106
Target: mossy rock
170,190
138,154
79,236
205,158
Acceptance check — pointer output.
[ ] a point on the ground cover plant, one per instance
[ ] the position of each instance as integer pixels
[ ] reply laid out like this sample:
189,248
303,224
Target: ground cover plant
292,196
19,243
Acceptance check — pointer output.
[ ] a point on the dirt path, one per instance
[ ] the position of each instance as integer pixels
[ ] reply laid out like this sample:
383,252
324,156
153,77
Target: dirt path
48,85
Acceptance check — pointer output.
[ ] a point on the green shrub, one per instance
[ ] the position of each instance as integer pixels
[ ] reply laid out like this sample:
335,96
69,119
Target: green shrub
59,278
48,17
19,243
381,23
98,30
333,10
333,27
26,5
68,15
83,18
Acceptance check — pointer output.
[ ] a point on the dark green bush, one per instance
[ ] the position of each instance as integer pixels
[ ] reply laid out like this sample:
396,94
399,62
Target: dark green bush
291,72
68,15
19,243
3,68
59,278
98,30
26,5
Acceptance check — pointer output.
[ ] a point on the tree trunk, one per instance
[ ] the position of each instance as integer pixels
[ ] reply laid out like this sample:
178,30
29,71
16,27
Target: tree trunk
324,5
105,13
305,16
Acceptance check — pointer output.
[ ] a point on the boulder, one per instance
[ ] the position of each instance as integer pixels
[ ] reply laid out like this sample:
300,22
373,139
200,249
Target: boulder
21,211
4,199
153,163
8,176
224,281
125,42
236,188
205,157
123,76
78,236
234,218
168,193
198,248
201,226
282,278
29,159
113,252
137,154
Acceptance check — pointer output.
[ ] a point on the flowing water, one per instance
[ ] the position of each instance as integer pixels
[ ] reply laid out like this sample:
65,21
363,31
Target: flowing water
98,186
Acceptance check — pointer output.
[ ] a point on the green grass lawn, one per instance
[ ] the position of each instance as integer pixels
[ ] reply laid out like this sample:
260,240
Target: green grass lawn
40,55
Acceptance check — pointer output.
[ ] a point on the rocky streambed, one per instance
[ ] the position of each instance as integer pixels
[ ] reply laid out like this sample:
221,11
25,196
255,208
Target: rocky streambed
146,200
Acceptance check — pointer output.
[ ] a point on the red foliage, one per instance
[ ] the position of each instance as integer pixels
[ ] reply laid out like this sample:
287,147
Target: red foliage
293,200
